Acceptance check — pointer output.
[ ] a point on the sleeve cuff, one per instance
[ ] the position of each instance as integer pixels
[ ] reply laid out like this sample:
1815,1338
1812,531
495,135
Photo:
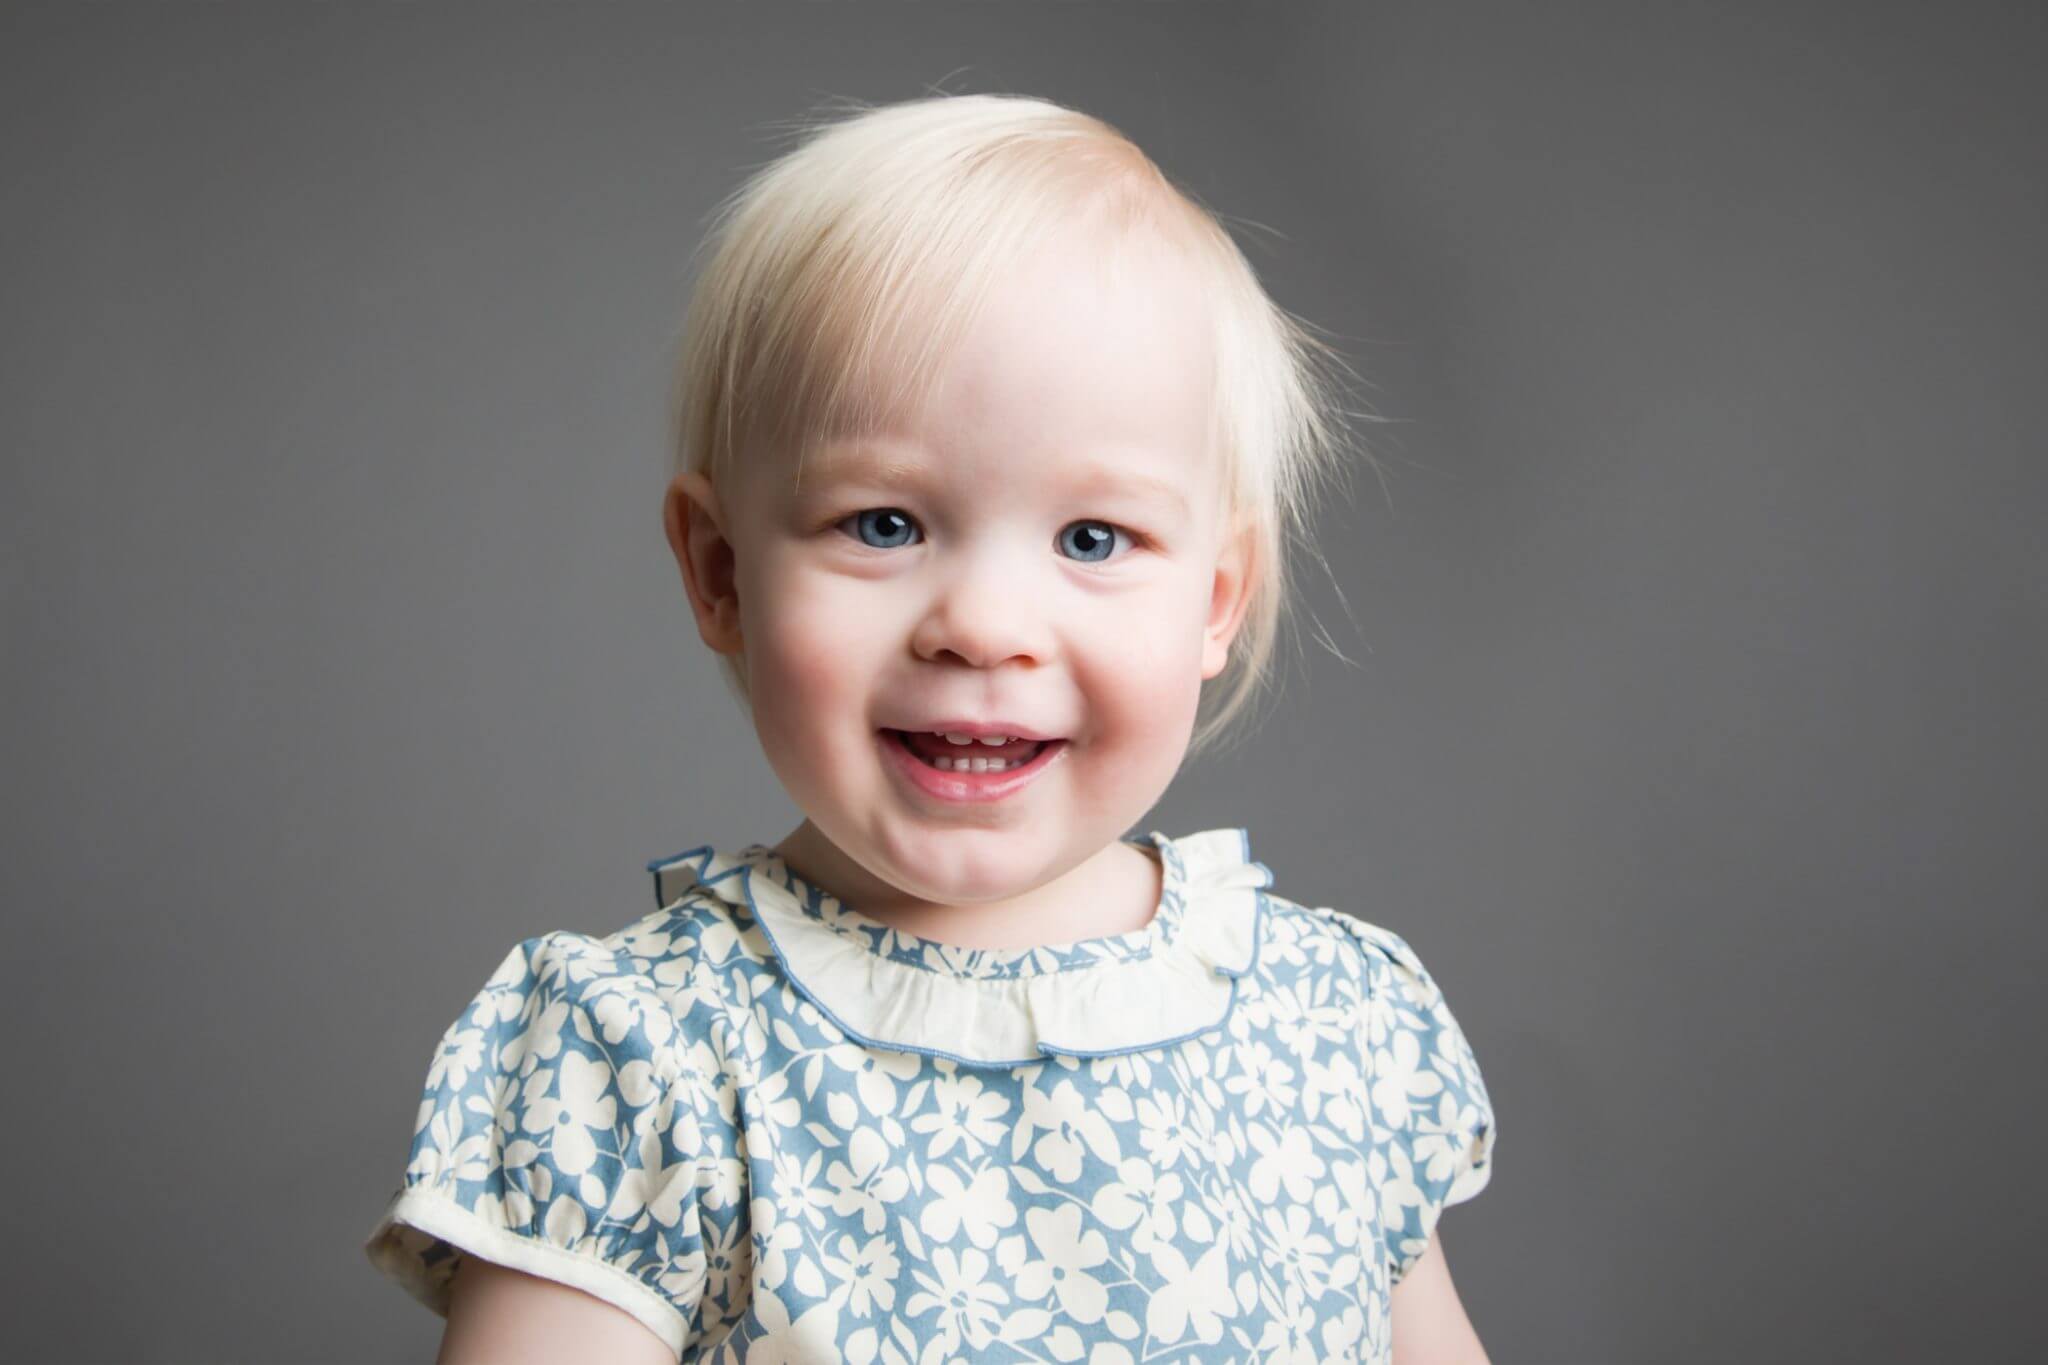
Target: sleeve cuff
439,1217
1470,1181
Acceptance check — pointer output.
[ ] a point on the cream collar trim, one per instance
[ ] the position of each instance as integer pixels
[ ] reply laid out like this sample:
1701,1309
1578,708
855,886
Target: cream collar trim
1001,1007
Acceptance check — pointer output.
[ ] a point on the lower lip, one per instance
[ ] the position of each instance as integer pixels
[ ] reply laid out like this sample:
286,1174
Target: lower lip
968,786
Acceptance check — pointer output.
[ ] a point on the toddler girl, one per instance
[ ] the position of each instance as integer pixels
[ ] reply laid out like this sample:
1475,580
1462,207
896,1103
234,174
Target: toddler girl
990,447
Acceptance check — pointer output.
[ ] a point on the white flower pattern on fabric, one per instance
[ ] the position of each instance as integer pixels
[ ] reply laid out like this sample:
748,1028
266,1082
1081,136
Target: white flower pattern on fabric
772,1129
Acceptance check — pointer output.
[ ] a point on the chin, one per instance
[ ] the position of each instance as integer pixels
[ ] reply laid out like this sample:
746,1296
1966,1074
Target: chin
969,866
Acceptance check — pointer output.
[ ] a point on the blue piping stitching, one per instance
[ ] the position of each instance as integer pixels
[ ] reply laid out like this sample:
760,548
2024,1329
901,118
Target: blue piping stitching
657,866
747,889
1258,925
745,873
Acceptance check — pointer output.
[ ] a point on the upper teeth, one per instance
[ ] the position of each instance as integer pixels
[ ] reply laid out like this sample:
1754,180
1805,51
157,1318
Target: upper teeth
955,737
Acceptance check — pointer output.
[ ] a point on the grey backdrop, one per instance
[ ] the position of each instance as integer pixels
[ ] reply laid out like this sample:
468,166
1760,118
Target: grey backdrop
1694,732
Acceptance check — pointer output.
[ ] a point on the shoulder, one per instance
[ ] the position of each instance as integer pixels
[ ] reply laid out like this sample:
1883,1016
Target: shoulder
655,987
1404,1020
568,1001
1373,956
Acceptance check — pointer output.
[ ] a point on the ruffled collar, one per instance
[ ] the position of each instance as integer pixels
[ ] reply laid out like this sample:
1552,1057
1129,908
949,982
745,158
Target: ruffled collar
1000,1007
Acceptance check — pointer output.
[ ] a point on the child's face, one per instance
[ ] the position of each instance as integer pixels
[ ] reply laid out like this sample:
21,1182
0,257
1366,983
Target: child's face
1043,549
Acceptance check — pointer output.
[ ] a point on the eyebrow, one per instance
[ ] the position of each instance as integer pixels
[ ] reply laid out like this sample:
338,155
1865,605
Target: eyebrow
870,464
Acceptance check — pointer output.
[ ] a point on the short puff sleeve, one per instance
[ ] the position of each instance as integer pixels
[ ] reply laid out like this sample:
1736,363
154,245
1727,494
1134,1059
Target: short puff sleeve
1431,1114
559,1134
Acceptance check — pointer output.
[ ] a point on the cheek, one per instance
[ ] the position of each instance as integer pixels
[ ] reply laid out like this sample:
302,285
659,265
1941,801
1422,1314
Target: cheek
809,659
1144,679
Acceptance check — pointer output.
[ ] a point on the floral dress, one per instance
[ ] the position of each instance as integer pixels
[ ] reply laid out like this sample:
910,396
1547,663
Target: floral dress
773,1129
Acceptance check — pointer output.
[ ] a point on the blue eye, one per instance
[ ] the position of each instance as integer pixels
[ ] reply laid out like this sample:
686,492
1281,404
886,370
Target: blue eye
887,522
890,528
1094,546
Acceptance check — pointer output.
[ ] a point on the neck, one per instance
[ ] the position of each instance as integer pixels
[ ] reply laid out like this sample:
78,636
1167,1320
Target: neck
1116,891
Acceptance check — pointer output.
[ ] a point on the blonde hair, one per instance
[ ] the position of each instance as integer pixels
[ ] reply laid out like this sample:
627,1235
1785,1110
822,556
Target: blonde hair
843,270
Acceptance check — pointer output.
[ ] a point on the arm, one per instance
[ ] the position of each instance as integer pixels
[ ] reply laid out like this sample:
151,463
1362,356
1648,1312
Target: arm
1430,1326
507,1317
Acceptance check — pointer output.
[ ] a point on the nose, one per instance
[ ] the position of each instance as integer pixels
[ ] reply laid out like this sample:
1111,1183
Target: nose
985,609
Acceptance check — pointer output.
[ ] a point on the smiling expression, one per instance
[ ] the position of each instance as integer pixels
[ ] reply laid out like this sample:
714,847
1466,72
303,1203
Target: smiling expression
1042,548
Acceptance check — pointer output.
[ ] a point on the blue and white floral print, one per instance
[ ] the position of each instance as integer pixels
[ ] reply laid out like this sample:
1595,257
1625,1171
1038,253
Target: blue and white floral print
773,1129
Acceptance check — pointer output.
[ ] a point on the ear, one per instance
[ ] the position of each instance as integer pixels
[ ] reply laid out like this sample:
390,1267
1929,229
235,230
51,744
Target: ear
695,523
1229,596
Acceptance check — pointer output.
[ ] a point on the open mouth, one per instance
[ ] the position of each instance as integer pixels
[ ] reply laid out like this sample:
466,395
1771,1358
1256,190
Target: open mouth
976,756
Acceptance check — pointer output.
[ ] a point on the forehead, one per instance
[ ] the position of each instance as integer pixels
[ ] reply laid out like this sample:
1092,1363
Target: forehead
1110,473
1084,364
1085,335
